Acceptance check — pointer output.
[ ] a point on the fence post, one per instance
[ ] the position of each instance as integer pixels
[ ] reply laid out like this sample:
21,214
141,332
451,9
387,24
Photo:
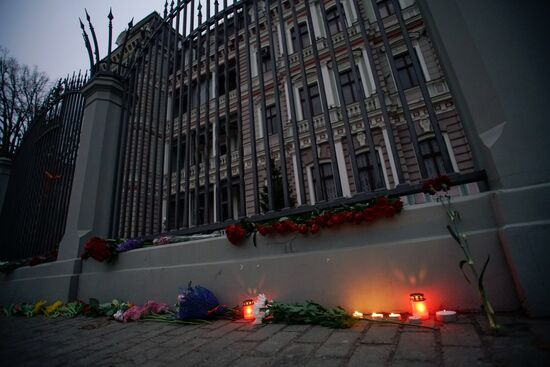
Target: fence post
5,171
95,171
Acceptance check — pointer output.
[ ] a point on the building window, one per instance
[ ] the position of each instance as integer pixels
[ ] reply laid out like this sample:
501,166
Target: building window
365,166
302,33
271,120
405,70
433,157
334,22
328,188
233,135
385,7
348,87
231,79
314,100
265,57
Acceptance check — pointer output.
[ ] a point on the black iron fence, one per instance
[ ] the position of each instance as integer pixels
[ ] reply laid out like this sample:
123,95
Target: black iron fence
33,216
268,108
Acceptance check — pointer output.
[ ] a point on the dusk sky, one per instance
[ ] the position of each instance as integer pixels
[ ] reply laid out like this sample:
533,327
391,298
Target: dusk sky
46,33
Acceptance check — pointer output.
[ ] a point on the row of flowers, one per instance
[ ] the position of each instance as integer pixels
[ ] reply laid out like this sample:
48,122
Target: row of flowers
313,222
9,266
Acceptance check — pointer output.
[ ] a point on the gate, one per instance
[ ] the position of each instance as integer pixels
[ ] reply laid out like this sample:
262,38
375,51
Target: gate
33,217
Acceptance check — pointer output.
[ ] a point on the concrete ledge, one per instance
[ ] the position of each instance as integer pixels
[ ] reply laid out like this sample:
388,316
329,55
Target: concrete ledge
50,281
369,267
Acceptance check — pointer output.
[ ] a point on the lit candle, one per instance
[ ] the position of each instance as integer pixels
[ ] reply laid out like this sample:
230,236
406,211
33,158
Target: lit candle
395,316
248,314
418,305
377,315
358,314
415,319
446,316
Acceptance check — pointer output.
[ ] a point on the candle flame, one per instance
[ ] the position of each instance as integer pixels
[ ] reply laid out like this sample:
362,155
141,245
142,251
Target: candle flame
395,315
357,314
375,315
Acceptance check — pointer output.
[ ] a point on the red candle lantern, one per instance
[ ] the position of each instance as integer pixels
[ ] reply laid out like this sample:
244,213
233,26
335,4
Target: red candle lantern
248,314
418,305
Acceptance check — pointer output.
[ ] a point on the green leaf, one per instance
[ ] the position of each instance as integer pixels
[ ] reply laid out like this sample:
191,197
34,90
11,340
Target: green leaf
480,282
453,233
461,266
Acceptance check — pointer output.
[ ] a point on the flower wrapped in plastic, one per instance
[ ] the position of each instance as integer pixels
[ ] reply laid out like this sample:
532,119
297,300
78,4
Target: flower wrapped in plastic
197,303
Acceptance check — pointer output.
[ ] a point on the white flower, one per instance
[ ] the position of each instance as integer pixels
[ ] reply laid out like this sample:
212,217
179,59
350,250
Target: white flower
118,315
259,303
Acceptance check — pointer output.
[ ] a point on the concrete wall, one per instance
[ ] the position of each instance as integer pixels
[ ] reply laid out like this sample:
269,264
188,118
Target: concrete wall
367,267
495,54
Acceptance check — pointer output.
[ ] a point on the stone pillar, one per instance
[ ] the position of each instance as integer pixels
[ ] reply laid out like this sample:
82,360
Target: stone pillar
94,178
5,171
495,55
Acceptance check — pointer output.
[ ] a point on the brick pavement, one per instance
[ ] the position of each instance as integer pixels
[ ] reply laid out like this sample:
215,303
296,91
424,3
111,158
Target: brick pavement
102,342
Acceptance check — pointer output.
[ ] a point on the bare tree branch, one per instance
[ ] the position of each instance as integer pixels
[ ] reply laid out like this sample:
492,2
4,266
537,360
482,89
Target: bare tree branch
23,92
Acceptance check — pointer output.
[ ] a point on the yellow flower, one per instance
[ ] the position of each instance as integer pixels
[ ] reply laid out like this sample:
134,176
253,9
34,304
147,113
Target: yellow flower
39,307
53,307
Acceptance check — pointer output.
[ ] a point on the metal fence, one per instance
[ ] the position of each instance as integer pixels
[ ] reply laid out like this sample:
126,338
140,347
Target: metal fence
269,108
33,216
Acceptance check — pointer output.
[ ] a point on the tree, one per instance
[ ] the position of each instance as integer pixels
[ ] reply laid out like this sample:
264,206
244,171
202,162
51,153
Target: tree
277,191
22,94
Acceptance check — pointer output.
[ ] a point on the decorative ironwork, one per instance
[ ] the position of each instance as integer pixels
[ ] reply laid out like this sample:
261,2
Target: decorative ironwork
34,213
198,147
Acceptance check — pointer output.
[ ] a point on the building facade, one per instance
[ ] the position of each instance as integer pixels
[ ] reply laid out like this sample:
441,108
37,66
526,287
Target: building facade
240,111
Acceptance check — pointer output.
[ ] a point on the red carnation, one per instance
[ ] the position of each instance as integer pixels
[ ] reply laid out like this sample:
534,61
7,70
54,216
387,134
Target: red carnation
35,261
97,249
370,214
397,205
264,230
302,228
314,228
350,216
235,233
358,217
292,227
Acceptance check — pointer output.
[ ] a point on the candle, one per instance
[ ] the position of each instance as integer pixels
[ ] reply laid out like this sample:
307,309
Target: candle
415,319
395,316
248,313
358,314
419,307
377,315
446,316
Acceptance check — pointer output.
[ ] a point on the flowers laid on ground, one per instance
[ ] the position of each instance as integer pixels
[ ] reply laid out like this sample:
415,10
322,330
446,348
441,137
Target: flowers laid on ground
439,187
9,266
381,207
305,313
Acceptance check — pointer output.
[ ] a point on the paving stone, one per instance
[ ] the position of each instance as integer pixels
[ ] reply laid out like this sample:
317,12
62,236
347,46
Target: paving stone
295,354
325,362
316,334
463,357
222,330
251,362
370,355
431,323
416,346
338,344
216,324
298,328
276,342
380,334
359,326
460,334
264,332
403,363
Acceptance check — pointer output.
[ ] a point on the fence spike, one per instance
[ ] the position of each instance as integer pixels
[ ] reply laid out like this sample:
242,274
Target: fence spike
88,45
110,17
94,38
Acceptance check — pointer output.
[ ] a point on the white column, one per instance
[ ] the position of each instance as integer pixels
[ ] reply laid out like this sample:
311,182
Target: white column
280,32
287,100
310,185
296,180
341,161
390,157
370,76
300,114
316,18
327,79
422,62
351,14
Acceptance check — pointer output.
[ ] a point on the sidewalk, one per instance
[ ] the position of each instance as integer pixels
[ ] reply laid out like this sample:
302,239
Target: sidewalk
102,342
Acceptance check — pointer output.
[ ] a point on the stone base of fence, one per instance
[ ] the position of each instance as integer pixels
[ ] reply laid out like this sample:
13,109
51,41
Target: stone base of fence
50,281
366,267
